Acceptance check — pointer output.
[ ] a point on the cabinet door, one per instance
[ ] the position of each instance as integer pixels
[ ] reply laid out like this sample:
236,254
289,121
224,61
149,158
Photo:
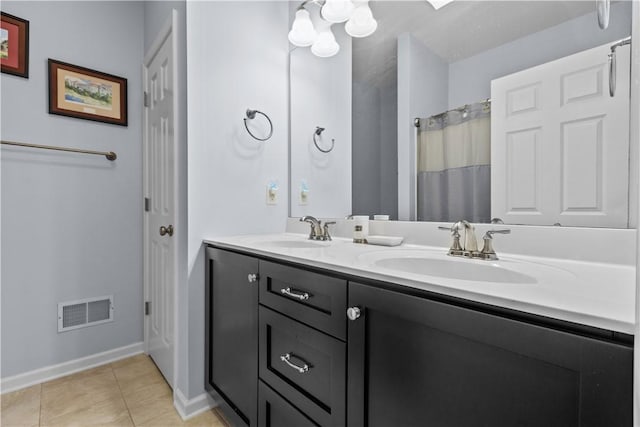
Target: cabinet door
232,334
417,362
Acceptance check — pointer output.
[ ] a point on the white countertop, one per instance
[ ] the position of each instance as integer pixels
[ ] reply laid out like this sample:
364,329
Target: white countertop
585,292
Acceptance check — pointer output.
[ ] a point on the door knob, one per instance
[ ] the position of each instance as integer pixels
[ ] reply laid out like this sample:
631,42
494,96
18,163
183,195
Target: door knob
252,278
353,313
166,230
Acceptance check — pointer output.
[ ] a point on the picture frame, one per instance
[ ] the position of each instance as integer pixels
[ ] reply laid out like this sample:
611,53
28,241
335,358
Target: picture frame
87,94
14,45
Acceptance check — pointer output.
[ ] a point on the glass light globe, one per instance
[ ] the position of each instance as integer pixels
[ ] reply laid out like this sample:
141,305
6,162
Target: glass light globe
325,45
361,23
336,11
302,32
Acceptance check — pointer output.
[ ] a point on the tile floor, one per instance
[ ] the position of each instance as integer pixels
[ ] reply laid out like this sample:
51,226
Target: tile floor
129,392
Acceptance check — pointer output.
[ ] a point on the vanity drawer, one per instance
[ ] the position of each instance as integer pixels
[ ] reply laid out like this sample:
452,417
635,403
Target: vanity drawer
286,347
275,411
317,300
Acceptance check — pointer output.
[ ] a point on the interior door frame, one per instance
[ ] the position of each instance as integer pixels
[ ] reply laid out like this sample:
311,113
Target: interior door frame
168,30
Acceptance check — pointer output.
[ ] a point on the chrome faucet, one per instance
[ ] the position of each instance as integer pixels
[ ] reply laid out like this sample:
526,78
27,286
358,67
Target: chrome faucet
469,247
318,231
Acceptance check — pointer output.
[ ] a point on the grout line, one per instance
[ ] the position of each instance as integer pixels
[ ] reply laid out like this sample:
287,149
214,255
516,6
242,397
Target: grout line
40,412
122,394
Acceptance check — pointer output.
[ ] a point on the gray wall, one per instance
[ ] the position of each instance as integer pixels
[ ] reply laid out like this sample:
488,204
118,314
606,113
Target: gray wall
470,79
374,163
366,149
389,151
71,223
423,78
231,68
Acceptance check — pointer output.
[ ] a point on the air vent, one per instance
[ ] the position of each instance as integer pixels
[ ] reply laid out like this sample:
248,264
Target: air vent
83,313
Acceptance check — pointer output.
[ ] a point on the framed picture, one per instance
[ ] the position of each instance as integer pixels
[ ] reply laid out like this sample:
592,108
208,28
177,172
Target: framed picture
87,94
14,45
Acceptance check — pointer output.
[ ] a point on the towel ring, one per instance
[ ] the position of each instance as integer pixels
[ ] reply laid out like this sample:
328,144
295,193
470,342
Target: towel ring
318,132
251,114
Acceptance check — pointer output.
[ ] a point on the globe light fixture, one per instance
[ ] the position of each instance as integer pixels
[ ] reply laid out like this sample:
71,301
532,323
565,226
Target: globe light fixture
325,45
357,15
336,11
361,23
302,33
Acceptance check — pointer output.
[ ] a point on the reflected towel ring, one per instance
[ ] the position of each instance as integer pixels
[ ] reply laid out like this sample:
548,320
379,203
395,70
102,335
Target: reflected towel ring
251,114
318,132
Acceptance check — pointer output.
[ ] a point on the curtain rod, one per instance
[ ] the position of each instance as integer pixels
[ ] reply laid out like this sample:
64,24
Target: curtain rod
110,155
416,121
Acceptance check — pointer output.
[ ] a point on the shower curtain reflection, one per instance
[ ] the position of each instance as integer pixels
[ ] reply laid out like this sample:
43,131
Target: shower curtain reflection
453,166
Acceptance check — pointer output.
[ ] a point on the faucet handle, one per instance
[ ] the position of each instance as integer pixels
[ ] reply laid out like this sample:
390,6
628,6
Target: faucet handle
487,251
489,234
327,236
456,248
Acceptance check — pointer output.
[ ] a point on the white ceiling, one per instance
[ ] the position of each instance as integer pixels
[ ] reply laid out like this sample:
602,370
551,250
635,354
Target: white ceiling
457,31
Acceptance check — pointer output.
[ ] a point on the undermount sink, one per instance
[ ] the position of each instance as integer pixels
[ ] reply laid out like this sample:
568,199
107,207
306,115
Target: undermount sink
435,264
455,269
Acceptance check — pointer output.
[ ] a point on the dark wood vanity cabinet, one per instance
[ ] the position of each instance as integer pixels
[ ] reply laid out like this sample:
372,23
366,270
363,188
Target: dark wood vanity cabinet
302,332
282,352
418,362
231,328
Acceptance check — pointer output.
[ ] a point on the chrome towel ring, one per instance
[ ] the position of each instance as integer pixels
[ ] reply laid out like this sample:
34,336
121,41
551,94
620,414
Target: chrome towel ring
318,132
251,114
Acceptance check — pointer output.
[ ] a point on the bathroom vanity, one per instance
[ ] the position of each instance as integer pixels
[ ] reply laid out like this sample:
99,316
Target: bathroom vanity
299,333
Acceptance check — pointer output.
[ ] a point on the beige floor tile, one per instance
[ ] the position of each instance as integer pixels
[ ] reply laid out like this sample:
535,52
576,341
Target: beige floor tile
77,393
135,376
112,412
159,414
221,417
80,375
21,408
151,392
131,360
166,419
206,419
148,409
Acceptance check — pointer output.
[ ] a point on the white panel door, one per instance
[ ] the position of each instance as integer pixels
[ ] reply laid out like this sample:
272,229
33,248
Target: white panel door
159,219
560,143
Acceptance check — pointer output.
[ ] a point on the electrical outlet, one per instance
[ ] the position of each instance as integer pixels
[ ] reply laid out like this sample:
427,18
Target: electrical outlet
272,194
304,195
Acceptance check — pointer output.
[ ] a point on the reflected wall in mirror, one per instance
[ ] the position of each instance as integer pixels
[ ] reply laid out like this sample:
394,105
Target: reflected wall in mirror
421,63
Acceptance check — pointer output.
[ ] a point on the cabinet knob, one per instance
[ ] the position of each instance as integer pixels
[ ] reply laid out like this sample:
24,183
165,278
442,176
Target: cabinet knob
252,278
353,313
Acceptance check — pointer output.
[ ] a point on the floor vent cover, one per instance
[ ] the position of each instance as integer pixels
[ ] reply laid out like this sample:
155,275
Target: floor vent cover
83,313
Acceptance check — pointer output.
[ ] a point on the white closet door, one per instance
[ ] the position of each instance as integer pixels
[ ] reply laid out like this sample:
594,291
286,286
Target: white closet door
560,143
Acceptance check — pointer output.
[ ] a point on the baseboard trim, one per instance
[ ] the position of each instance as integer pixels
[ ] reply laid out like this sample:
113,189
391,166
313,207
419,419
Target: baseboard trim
189,408
48,373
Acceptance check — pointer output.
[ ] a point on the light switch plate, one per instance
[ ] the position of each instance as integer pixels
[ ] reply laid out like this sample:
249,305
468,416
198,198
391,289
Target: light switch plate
304,197
272,194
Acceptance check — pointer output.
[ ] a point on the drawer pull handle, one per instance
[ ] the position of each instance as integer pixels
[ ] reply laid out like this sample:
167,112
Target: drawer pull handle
286,358
287,291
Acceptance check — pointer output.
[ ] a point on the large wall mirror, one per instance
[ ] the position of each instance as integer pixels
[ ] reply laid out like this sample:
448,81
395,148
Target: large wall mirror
475,110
